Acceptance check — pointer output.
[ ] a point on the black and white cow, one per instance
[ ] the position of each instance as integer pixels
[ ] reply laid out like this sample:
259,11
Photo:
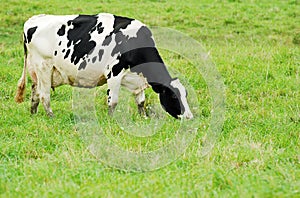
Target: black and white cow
91,50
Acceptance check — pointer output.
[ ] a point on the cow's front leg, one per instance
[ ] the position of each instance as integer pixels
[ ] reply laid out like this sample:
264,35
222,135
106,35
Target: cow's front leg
140,101
113,84
136,84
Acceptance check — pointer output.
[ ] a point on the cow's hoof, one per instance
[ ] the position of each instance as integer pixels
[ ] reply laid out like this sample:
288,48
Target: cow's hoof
33,111
50,114
142,111
111,109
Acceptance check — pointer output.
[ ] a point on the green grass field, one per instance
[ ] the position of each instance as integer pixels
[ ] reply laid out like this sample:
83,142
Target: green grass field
255,47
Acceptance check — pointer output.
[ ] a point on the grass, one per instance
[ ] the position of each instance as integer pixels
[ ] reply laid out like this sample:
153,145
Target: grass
255,46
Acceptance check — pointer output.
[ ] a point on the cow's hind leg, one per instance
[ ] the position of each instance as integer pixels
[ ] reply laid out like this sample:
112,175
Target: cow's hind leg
45,97
44,87
35,100
44,93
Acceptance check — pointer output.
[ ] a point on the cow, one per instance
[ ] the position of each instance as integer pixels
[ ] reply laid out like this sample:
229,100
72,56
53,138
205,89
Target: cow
91,50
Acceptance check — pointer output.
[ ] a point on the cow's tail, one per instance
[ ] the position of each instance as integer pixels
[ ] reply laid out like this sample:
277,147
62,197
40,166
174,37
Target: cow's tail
19,98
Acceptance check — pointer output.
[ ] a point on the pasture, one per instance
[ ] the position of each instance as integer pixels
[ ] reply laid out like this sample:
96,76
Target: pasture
255,47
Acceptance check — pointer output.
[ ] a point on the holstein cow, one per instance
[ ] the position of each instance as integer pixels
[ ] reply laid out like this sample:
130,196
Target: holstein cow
91,50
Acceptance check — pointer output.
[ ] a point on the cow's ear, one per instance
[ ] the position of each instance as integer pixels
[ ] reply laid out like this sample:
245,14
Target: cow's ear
170,102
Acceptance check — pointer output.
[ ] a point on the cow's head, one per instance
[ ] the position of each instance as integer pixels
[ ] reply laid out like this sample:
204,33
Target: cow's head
173,99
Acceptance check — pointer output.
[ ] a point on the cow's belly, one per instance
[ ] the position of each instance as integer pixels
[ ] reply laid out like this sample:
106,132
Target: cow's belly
69,74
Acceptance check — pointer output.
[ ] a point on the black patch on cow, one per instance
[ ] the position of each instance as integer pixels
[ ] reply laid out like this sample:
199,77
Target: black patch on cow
107,92
63,51
24,44
107,40
109,75
91,51
69,44
100,54
59,44
81,35
119,23
82,65
62,30
99,28
67,53
122,64
30,33
94,59
55,53
25,49
25,39
126,44
134,51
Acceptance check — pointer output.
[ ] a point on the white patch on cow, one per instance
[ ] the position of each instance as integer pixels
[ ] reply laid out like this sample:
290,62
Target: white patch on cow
177,84
77,42
132,29
107,21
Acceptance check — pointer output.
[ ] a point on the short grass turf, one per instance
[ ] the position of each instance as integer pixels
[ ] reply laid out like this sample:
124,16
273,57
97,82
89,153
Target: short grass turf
255,47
